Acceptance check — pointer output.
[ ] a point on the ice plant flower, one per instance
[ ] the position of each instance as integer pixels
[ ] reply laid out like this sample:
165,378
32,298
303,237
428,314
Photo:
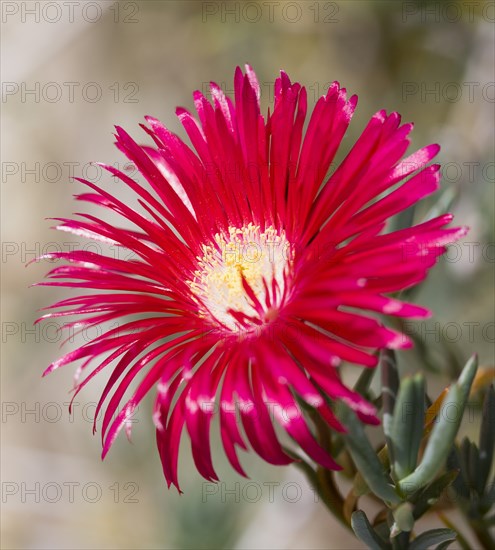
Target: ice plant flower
255,273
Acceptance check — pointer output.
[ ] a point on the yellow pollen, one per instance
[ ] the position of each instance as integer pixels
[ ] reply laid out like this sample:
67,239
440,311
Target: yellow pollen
262,259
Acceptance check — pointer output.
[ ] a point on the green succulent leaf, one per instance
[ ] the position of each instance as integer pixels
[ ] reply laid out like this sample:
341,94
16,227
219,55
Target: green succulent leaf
364,456
439,444
390,379
363,383
429,538
403,517
365,532
443,434
444,545
467,376
407,425
390,387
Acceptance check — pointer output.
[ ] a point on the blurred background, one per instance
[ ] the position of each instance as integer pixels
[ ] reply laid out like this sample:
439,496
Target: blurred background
70,71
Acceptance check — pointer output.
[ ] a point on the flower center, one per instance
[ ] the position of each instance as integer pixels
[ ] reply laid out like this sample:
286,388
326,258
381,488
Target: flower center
243,277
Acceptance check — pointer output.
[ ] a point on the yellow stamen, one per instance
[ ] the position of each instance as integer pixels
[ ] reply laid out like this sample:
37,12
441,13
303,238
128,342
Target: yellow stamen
244,252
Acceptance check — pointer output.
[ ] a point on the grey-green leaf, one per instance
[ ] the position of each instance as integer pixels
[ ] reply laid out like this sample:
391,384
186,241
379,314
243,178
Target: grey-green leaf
407,425
444,545
444,432
362,385
364,456
430,538
390,379
439,445
467,376
403,516
365,532
390,386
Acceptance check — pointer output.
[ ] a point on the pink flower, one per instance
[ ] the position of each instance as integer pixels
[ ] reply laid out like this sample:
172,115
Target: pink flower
254,271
